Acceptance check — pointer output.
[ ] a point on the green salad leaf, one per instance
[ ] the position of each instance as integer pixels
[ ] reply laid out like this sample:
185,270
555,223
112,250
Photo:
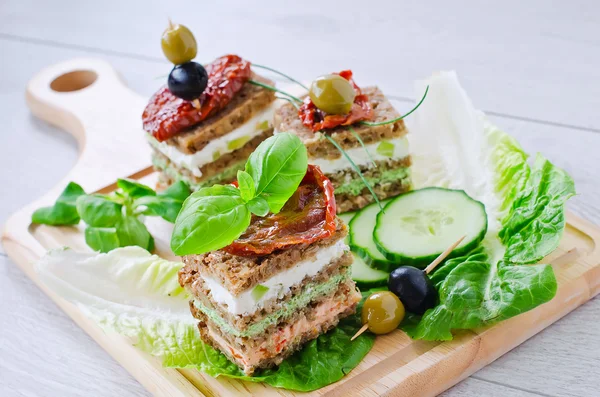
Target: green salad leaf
165,204
98,211
277,167
136,294
64,211
134,189
102,239
210,219
131,231
113,220
457,148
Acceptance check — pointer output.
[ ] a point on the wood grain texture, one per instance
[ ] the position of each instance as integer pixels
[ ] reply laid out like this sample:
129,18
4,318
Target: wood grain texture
550,82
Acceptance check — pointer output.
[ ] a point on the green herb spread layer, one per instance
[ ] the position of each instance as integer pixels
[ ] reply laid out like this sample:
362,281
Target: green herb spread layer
356,186
312,292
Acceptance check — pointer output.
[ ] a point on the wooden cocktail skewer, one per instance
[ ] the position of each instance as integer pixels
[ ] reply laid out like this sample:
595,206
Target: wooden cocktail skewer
427,270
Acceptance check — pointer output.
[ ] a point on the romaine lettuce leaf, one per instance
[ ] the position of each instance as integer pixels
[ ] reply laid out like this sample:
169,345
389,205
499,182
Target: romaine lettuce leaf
456,147
136,294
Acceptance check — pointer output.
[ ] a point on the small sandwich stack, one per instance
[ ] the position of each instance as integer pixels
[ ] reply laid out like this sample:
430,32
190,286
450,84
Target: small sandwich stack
258,308
206,140
384,160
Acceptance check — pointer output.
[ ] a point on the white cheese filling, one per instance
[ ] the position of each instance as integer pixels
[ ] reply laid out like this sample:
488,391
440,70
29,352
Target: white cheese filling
218,146
278,286
360,156
396,149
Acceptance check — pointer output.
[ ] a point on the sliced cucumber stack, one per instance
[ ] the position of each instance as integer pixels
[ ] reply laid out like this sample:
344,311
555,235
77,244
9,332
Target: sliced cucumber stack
418,226
365,276
361,238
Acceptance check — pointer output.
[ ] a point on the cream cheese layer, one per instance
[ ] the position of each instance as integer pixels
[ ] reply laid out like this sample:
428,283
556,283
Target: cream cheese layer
218,146
396,148
248,302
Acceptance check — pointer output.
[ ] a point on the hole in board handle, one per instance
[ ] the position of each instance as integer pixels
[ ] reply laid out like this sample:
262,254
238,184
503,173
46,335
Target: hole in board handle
74,81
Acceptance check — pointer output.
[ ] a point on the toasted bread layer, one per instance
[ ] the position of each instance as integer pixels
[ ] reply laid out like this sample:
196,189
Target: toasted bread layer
276,309
246,103
240,273
286,120
272,348
210,170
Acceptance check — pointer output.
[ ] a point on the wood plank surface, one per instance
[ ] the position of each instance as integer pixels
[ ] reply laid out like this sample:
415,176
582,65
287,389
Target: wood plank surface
551,82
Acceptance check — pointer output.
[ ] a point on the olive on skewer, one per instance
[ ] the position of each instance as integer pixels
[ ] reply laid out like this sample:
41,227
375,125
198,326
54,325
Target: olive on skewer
178,44
413,290
188,81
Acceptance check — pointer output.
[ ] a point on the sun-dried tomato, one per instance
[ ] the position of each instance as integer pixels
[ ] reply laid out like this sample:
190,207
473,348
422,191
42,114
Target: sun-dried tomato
166,115
317,120
308,216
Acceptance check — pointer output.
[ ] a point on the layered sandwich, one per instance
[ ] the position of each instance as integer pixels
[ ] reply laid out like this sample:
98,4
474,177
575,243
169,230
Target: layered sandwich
206,138
283,282
364,125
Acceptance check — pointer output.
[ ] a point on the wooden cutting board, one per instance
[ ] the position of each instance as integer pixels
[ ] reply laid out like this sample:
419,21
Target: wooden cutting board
87,98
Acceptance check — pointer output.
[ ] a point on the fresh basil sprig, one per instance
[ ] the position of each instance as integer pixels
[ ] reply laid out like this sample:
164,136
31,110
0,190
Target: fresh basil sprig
114,220
213,217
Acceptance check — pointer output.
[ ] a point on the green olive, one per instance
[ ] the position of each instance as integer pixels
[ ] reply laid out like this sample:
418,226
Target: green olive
383,312
178,44
332,94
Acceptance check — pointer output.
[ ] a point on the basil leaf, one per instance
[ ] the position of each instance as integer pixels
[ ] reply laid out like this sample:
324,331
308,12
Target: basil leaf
103,239
210,219
131,231
277,167
98,211
258,206
64,211
135,189
246,185
166,204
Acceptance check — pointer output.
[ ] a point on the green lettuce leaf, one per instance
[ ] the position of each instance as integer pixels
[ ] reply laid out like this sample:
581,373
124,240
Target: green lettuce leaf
136,294
456,147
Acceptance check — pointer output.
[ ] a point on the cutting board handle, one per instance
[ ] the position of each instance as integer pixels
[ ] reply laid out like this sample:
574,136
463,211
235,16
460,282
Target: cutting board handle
87,98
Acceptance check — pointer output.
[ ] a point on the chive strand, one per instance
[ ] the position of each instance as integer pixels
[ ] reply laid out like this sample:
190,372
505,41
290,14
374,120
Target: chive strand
397,118
343,152
359,139
294,104
268,87
281,74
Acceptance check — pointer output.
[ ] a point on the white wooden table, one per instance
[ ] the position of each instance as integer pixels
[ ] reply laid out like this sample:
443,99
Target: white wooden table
533,66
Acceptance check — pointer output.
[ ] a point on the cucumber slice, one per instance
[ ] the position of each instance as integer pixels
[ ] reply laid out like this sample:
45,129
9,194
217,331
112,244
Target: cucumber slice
418,226
361,238
365,276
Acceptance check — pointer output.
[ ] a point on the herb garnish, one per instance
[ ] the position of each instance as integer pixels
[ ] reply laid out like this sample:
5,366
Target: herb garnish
271,88
362,177
213,217
281,74
113,220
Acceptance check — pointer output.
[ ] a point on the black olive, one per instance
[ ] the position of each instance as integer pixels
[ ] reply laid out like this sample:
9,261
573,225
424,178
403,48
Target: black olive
188,81
414,288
